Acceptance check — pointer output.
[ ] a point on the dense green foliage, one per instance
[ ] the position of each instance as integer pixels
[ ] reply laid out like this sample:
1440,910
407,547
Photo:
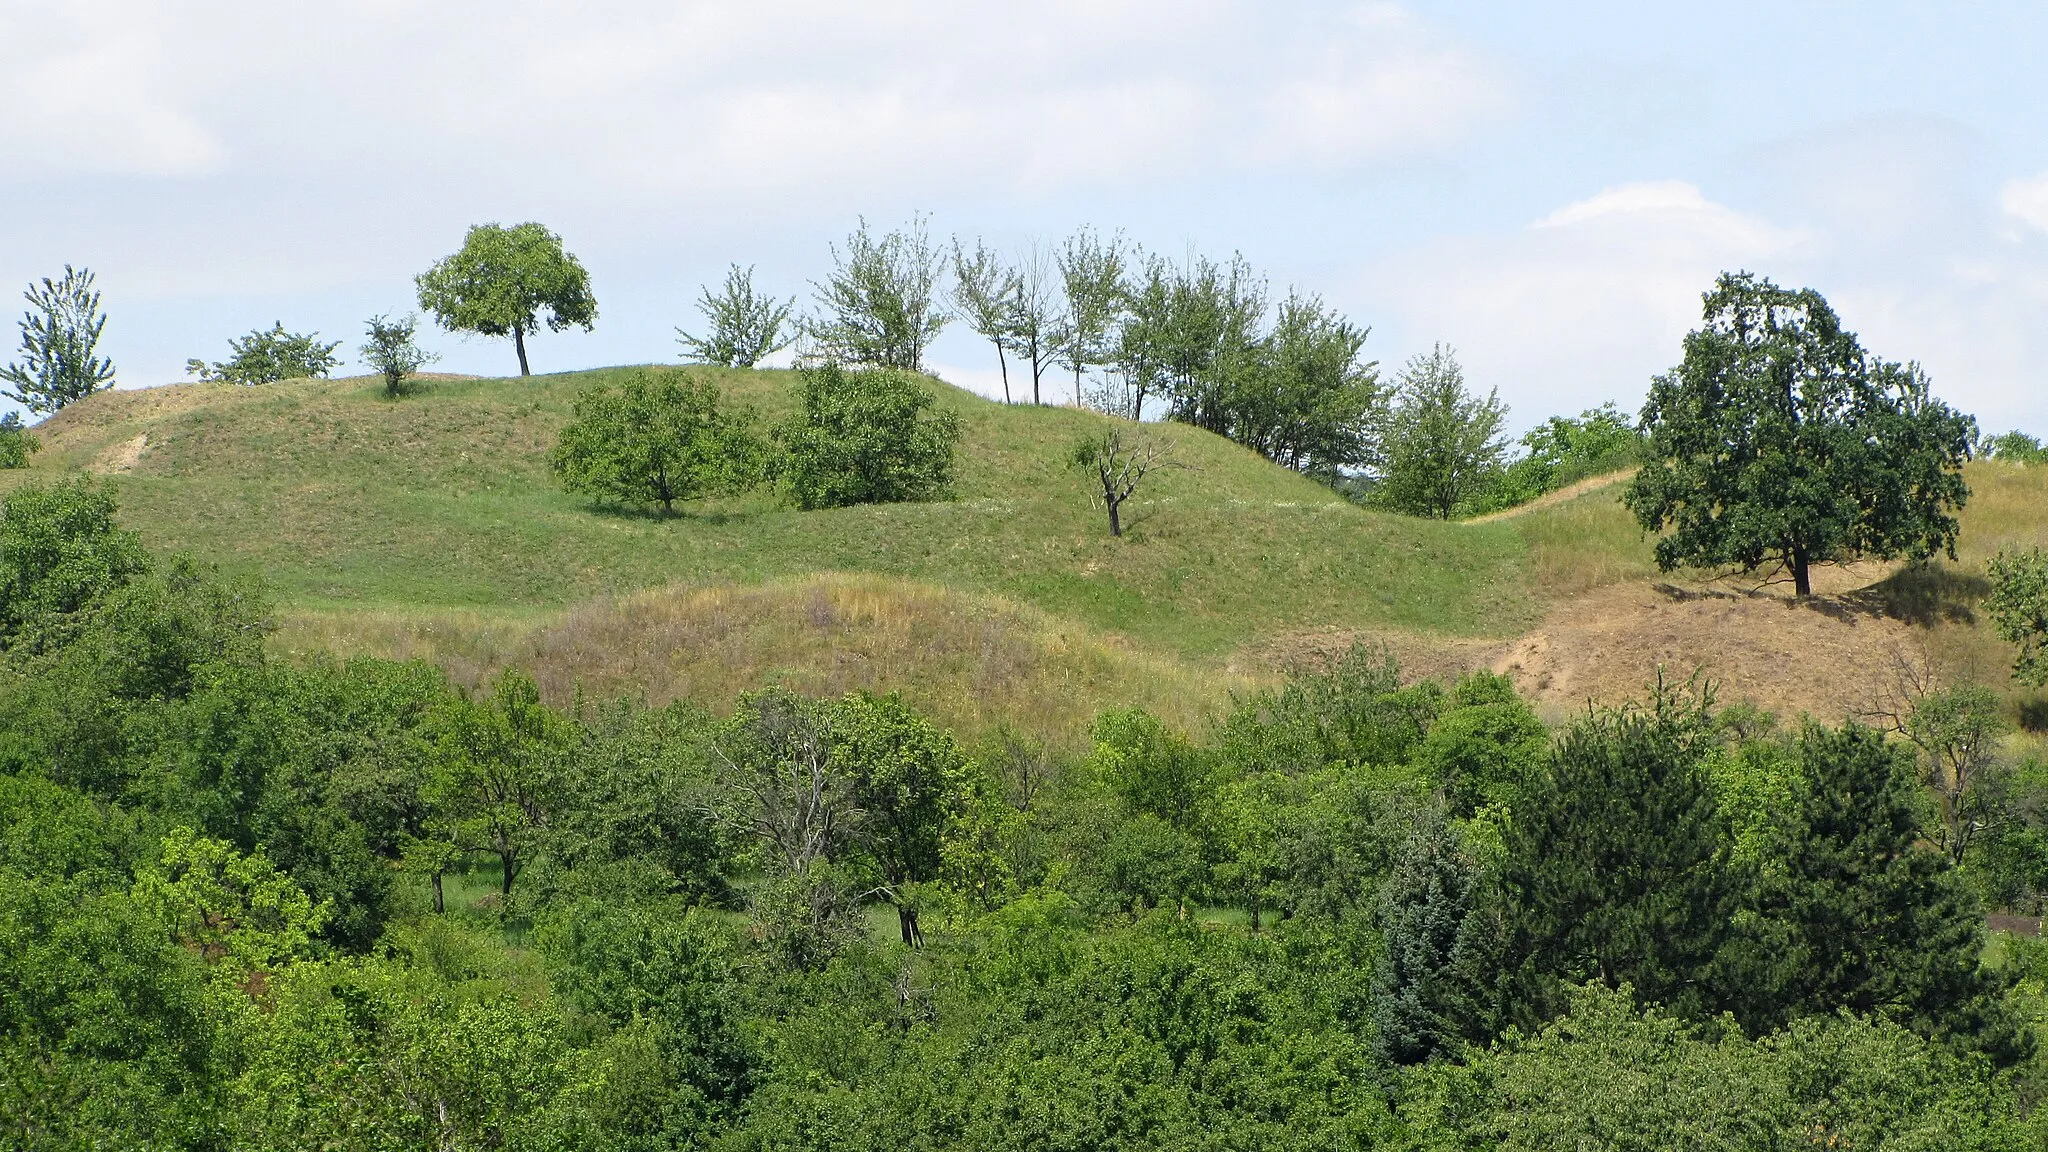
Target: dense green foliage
744,327
2014,447
865,437
1779,439
501,280
248,904
262,357
60,335
2019,608
656,438
1443,444
17,443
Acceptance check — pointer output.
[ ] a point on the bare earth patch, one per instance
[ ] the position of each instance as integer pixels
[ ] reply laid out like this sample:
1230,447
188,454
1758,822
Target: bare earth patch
122,457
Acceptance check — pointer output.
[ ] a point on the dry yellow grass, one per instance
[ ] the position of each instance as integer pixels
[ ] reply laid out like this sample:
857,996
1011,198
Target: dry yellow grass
973,662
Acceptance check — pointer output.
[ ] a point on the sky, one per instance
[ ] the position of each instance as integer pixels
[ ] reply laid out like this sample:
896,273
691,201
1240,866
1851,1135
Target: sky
1546,188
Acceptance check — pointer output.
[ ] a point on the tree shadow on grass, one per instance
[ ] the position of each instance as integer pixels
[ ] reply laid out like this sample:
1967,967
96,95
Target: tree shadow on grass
653,514
1923,595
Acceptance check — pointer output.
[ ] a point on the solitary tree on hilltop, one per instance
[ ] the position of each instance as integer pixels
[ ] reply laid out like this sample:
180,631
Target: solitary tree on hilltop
59,333
1778,438
1443,443
500,281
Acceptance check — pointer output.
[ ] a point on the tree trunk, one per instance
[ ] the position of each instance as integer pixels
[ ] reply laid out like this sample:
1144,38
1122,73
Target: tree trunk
1802,579
906,922
508,866
1004,363
519,342
1116,527
440,906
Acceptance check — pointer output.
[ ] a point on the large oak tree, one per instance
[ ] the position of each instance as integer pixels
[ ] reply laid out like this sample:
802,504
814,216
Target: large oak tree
1778,438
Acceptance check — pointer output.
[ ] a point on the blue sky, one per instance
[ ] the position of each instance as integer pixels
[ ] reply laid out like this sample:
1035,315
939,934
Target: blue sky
1547,187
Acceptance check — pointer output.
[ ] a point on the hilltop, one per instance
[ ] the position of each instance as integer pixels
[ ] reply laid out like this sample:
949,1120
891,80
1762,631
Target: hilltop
430,526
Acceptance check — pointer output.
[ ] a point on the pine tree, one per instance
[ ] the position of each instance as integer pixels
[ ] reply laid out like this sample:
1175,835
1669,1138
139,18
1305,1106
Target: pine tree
1617,867
1855,912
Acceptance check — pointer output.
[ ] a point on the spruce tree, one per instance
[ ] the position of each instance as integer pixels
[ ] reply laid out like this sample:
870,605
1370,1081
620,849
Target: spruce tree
1617,868
1855,911
1420,999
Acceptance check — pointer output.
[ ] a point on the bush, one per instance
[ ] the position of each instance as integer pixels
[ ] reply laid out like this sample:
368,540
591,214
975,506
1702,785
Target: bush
865,437
261,357
2013,447
657,438
389,349
17,444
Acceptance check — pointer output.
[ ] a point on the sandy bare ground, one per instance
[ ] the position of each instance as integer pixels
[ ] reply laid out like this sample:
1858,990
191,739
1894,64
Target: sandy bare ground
1830,657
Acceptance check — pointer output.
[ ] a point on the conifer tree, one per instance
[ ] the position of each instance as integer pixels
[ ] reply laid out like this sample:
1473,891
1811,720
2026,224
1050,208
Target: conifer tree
1855,912
1617,867
1425,916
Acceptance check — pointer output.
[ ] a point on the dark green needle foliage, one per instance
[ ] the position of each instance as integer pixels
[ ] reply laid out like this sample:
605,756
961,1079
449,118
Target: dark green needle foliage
262,357
1422,992
1778,439
503,279
1617,867
865,437
657,438
1856,912
60,334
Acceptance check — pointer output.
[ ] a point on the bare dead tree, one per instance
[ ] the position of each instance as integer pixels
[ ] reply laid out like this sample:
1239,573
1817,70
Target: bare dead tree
1119,458
778,783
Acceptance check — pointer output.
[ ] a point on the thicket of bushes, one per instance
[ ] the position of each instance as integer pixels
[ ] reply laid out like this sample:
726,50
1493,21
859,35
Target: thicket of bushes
251,904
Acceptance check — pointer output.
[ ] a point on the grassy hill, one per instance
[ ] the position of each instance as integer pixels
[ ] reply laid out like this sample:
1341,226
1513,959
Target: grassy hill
431,527
344,499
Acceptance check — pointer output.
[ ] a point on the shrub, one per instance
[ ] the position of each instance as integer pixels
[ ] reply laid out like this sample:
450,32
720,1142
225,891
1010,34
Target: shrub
865,437
389,349
17,444
657,438
261,357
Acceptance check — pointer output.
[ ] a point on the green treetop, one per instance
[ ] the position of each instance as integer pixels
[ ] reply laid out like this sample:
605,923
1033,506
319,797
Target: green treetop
502,279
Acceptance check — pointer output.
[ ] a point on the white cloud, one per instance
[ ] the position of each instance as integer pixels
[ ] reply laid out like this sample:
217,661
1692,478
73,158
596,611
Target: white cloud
1585,304
2027,200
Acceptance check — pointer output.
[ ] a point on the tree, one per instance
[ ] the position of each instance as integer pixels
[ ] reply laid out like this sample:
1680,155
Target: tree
1443,443
1777,439
1092,278
499,774
1856,913
1208,340
262,357
867,437
985,297
502,279
17,443
60,550
745,328
1035,325
879,306
1616,867
59,335
1310,403
389,350
1119,459
658,437
909,783
2014,447
2019,606
1425,909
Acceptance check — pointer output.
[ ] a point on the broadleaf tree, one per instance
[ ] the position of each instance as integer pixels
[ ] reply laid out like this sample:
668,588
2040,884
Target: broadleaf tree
1443,443
388,347
984,297
60,336
658,437
503,279
746,327
880,305
262,357
2019,608
1778,439
865,437
1092,280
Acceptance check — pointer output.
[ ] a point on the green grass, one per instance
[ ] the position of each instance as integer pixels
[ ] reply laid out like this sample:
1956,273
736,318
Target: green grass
346,501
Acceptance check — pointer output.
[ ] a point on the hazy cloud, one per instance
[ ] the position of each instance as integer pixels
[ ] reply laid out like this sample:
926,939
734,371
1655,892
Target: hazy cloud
2027,201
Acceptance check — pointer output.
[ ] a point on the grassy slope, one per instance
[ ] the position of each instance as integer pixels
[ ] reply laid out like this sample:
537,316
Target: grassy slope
344,500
